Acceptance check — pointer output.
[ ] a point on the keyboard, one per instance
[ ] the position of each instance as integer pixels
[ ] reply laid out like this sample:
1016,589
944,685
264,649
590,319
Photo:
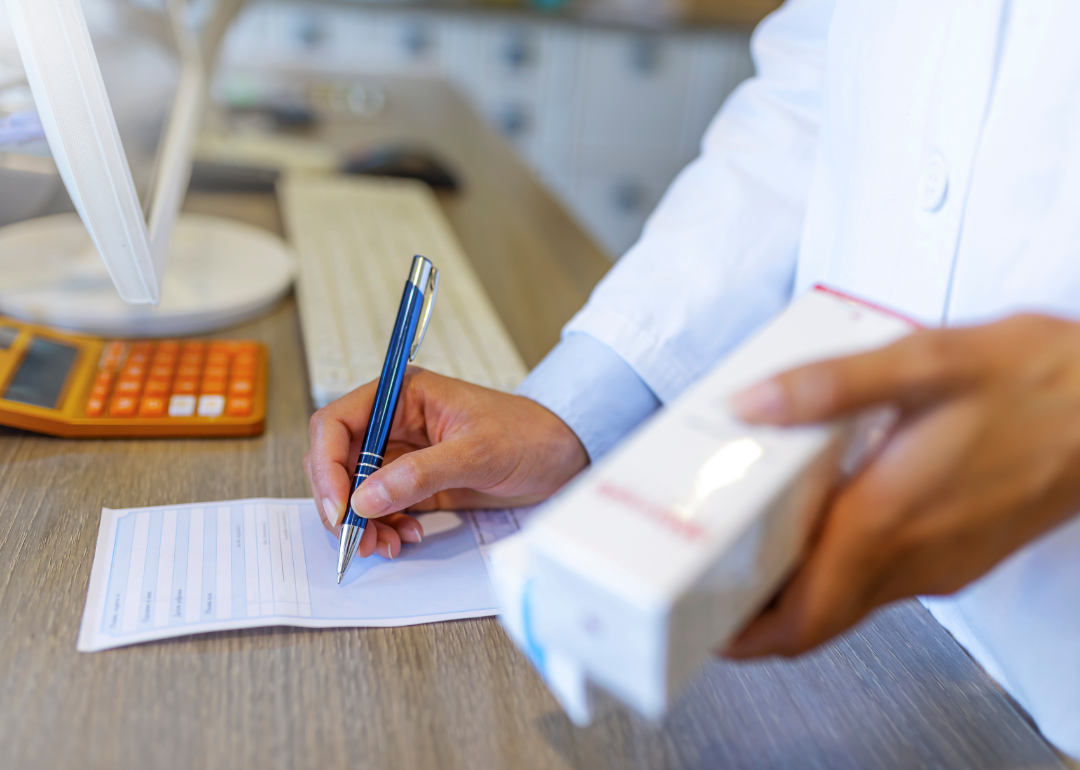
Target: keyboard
355,239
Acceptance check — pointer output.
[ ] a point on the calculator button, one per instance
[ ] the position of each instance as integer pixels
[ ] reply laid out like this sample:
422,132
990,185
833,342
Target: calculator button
156,387
239,407
215,372
160,372
213,387
211,406
168,346
181,406
123,406
112,355
95,407
133,371
217,359
193,347
188,371
152,406
165,359
102,385
186,386
243,372
241,387
128,387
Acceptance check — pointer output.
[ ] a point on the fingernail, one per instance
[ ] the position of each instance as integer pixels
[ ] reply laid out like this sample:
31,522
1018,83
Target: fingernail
332,510
764,402
418,533
371,499
383,548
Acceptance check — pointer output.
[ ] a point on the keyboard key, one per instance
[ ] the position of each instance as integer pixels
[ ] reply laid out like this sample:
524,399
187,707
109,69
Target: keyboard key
181,406
214,386
152,406
95,407
123,406
241,387
239,407
156,387
211,406
186,386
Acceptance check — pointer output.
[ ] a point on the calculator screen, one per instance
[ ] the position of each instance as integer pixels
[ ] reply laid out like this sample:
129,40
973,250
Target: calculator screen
41,375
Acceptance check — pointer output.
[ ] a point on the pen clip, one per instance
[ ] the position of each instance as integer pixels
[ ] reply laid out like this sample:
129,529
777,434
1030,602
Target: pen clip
430,293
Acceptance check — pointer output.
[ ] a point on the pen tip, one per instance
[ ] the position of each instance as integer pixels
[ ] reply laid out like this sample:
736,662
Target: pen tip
339,577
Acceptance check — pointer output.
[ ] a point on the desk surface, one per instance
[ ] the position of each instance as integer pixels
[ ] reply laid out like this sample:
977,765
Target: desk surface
896,692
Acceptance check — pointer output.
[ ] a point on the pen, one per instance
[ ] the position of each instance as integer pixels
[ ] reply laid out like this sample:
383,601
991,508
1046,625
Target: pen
413,318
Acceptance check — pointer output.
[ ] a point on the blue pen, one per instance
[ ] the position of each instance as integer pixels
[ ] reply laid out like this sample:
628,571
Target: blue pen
413,318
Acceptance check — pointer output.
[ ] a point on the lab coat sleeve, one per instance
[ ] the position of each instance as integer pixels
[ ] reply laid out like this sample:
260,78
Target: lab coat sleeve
717,257
592,390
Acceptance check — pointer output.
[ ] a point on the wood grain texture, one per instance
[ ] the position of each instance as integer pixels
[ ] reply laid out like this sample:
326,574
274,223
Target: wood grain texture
897,692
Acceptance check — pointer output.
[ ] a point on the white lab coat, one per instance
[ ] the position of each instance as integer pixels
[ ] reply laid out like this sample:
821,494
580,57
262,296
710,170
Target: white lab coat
924,155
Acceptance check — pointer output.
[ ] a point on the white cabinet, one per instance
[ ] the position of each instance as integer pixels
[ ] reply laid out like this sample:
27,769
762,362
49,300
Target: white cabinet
606,117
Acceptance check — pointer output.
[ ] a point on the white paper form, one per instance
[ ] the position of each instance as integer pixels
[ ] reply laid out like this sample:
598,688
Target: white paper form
177,570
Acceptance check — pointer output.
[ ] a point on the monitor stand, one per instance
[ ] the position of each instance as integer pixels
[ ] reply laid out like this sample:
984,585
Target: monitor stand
221,272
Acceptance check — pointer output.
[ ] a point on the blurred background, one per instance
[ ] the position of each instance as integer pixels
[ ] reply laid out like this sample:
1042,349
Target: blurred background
605,100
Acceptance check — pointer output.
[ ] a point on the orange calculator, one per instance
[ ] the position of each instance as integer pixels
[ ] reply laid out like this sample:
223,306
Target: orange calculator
81,387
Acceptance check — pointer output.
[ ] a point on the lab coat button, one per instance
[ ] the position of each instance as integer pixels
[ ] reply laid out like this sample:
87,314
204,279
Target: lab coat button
935,184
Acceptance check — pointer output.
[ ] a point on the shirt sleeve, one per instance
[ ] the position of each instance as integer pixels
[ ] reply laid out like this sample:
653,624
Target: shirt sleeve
717,258
593,390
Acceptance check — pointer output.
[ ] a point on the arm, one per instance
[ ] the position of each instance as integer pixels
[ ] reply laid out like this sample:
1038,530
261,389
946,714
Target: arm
716,260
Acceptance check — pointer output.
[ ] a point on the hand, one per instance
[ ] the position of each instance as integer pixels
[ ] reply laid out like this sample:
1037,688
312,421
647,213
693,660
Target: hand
452,445
985,459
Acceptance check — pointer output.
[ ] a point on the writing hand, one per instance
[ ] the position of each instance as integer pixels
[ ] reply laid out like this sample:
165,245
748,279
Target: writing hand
452,445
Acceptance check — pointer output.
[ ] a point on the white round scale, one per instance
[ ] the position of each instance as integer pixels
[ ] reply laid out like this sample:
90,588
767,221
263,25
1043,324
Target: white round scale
221,272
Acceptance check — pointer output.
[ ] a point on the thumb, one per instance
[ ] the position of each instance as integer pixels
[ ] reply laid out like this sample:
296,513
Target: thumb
416,476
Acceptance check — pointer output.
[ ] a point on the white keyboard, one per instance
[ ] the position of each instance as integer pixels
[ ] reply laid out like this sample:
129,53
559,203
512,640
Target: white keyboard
355,239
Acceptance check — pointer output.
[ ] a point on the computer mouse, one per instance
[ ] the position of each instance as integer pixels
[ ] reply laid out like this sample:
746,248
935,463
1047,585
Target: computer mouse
405,163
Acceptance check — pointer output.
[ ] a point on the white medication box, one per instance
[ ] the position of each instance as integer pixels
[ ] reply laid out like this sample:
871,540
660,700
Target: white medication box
660,553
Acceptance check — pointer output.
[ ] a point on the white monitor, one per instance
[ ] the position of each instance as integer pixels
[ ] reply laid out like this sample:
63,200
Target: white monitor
220,272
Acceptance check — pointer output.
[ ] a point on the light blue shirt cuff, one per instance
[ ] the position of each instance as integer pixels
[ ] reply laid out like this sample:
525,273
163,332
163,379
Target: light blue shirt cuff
593,390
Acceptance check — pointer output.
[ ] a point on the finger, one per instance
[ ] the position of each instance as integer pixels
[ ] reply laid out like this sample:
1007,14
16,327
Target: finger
917,369
388,542
369,542
418,475
409,529
332,430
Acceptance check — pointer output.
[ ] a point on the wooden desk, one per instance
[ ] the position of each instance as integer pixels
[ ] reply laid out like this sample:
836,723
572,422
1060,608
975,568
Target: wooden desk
895,693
